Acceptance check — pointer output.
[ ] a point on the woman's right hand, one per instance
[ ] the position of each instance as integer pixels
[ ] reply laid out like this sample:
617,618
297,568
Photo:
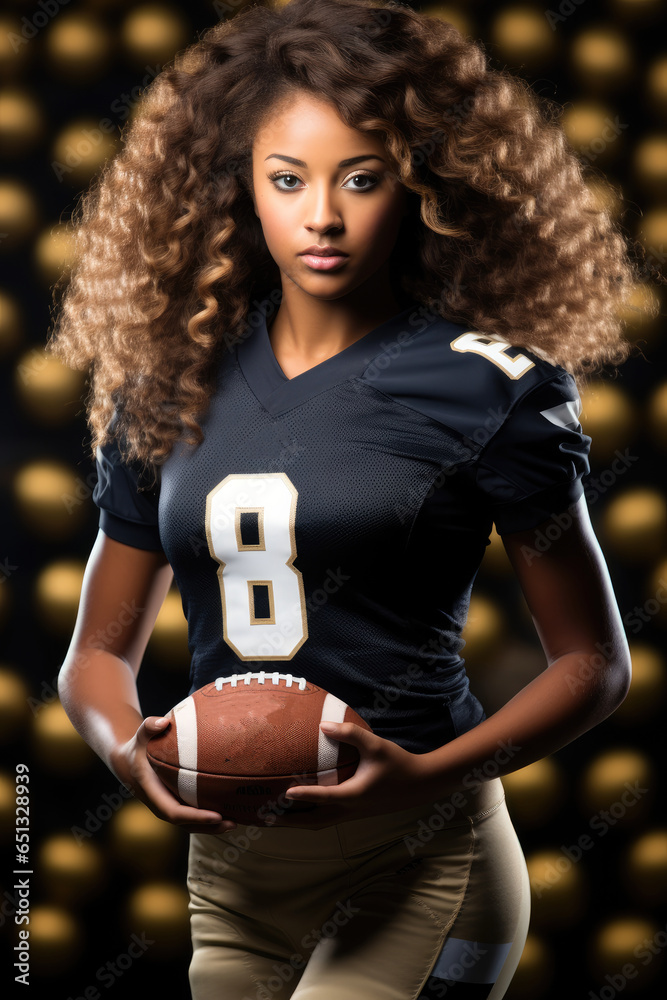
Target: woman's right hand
131,766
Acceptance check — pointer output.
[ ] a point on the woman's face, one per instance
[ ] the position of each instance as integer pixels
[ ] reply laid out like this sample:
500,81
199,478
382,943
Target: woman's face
318,199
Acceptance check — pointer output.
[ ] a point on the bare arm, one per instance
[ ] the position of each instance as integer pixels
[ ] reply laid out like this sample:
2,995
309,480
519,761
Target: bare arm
125,587
570,596
122,586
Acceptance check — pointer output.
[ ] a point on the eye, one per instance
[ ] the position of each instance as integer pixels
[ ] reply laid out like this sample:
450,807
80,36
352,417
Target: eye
287,176
275,177
368,177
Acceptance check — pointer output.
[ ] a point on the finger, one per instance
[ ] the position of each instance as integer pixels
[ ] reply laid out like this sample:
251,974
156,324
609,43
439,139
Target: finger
334,794
222,827
174,810
309,795
150,727
349,732
210,828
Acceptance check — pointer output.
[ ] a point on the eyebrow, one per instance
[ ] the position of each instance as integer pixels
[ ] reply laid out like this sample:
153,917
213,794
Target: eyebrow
343,163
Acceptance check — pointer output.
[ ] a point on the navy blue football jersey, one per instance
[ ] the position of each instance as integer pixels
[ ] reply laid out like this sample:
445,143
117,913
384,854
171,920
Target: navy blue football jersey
331,525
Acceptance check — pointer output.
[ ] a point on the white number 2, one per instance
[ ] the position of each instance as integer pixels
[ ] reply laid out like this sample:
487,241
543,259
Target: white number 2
250,532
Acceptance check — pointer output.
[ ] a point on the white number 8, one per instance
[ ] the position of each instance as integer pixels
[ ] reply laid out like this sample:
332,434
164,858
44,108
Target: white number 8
250,532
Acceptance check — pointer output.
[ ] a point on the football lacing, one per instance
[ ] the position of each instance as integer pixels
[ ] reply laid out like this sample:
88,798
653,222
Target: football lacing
262,676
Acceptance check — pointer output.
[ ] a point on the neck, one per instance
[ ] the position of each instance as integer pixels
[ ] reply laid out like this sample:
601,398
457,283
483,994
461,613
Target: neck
314,329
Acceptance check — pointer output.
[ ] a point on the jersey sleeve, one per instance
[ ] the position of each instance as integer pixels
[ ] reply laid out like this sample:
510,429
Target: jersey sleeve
128,509
533,466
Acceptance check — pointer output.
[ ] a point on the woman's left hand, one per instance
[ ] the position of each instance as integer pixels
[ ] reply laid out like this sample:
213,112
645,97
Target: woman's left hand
388,778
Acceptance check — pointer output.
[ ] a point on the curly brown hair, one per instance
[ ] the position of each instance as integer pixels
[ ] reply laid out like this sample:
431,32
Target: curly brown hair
503,233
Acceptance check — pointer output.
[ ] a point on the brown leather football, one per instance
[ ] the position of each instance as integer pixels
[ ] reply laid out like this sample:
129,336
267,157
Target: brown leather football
236,744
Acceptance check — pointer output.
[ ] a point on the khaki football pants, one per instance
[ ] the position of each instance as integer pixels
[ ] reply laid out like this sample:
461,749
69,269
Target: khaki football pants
425,903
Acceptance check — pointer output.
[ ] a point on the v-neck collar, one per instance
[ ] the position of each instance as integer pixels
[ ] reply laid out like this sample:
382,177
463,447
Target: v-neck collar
277,392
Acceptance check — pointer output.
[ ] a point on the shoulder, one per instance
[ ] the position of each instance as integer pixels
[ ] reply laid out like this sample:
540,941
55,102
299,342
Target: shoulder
461,377
126,495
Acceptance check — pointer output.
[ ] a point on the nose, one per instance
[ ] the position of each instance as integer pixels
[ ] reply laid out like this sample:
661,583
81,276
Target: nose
322,212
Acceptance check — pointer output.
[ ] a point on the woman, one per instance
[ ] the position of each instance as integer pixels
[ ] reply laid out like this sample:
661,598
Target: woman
335,294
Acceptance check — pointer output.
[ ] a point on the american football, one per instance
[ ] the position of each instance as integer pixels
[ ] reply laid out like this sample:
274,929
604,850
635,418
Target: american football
236,744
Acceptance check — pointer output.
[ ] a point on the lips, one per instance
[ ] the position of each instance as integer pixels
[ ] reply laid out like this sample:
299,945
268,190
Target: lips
319,263
327,251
